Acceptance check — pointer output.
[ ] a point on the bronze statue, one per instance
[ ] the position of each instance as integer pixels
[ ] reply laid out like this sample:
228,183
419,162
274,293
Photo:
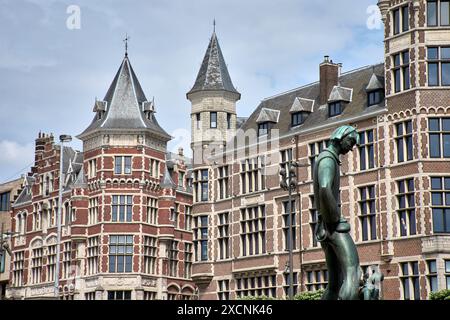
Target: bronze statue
332,229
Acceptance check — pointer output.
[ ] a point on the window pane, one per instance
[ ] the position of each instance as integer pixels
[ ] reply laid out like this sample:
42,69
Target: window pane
447,266
445,53
436,198
432,53
127,165
118,167
435,146
446,145
444,13
434,124
432,266
406,80
436,183
431,13
397,60
446,124
396,15
445,72
433,79
405,24
397,80
438,220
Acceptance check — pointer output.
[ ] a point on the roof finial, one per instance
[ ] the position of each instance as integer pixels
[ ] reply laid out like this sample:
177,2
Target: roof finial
214,25
126,44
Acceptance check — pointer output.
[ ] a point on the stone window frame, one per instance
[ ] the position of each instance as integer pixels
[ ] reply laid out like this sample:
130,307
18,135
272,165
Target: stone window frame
18,268
438,61
223,177
368,214
173,258
187,260
366,149
443,205
316,279
438,15
116,206
253,231
66,260
188,217
150,254
92,255
37,255
93,210
313,220
257,285
223,235
447,273
213,124
119,294
126,168
223,289
404,141
409,278
285,228
406,207
200,232
125,243
92,168
152,210
432,275
440,132
201,185
399,21
295,283
315,148
401,70
252,175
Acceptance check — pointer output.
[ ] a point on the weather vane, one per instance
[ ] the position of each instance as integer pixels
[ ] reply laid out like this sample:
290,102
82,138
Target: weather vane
127,38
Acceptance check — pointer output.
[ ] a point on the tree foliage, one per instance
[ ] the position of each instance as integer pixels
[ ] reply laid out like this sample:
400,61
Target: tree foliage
440,295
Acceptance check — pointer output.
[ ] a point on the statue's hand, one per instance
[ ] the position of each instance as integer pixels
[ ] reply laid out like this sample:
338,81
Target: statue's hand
343,226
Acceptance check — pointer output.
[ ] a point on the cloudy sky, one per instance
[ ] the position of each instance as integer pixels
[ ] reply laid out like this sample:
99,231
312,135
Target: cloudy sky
53,66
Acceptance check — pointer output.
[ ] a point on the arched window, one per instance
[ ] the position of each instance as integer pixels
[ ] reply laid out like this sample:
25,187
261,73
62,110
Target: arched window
67,214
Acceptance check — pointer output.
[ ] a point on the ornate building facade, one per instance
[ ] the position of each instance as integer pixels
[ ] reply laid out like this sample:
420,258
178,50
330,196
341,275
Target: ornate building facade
395,185
126,210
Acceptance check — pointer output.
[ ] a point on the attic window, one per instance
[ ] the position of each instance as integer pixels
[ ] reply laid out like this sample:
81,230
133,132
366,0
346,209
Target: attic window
263,129
375,97
335,108
298,118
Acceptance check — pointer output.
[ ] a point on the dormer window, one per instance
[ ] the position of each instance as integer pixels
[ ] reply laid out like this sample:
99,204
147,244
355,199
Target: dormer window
298,118
335,108
375,97
263,129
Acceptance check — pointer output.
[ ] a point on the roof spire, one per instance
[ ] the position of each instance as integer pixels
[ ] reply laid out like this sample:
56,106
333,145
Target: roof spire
126,44
214,25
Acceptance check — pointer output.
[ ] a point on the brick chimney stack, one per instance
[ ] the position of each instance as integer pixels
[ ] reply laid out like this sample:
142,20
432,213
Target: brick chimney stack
329,76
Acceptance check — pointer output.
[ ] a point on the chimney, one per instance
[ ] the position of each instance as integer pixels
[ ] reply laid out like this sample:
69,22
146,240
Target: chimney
329,77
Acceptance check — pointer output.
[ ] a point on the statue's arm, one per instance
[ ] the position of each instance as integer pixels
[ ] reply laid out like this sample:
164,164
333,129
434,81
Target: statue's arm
328,204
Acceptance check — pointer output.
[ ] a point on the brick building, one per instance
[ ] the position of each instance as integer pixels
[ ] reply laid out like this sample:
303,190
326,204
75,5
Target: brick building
395,185
126,209
8,192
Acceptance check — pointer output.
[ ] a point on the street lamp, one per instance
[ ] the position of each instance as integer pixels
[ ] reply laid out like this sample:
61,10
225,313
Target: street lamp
62,138
289,183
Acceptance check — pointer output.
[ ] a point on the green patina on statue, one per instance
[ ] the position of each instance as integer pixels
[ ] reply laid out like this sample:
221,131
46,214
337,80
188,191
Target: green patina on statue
332,230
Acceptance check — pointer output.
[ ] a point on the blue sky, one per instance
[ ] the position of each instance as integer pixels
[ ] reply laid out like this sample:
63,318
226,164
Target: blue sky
50,75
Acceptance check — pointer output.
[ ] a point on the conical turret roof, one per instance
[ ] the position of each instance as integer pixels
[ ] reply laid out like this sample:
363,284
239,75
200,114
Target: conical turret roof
213,73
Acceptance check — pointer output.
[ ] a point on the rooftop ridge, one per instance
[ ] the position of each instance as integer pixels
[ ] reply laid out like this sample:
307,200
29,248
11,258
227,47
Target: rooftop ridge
316,82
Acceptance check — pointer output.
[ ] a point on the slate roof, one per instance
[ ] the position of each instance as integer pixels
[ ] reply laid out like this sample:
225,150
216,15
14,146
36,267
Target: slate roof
213,73
357,80
124,103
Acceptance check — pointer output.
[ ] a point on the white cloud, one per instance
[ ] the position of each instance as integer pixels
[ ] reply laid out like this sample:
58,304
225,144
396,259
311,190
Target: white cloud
15,159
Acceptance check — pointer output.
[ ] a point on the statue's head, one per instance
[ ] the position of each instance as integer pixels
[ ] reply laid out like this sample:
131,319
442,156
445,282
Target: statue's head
345,138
